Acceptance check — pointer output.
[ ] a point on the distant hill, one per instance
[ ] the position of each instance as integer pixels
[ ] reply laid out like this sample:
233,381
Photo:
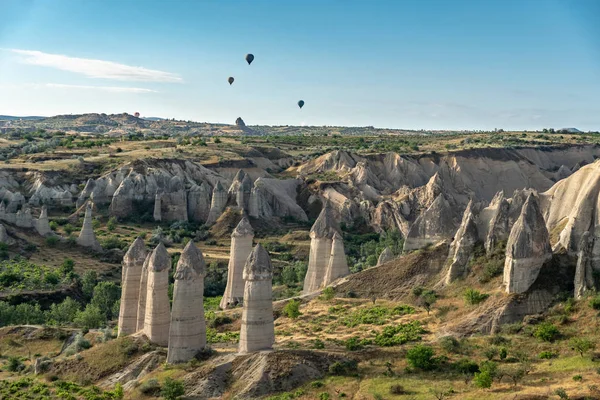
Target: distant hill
570,130
13,118
153,118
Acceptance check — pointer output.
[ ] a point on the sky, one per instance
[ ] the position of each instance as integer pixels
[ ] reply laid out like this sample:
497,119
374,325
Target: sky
413,64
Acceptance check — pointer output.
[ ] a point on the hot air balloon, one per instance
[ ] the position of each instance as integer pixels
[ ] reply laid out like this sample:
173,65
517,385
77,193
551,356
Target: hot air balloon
230,80
249,58
137,114
301,103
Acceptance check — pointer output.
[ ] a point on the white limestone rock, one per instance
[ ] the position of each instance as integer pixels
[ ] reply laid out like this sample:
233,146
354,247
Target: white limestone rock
241,247
527,249
434,225
385,256
187,335
584,277
338,264
4,238
131,276
199,202
143,292
257,332
87,237
321,235
218,203
42,224
461,248
157,316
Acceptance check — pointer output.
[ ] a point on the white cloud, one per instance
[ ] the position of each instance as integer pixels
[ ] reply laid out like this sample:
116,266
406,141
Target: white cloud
95,68
116,89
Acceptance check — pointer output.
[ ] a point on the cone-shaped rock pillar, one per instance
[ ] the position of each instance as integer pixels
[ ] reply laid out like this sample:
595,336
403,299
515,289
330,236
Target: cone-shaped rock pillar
187,335
321,235
87,238
385,256
461,249
42,225
584,277
527,249
158,318
4,238
241,247
143,292
257,332
157,214
338,264
218,203
130,287
199,202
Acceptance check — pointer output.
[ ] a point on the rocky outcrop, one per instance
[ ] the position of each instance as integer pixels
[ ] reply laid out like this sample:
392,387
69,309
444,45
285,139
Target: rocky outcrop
584,277
275,198
257,331
23,218
157,213
187,335
157,315
461,249
42,224
321,235
130,287
338,265
385,256
143,293
498,228
218,203
87,238
240,189
199,202
241,247
527,249
432,226
173,202
4,238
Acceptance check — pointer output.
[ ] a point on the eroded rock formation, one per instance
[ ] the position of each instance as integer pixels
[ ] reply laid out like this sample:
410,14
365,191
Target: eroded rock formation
338,265
385,256
527,249
87,238
461,248
42,225
241,247
130,287
187,334
321,235
199,202
218,203
143,293
432,226
584,277
157,311
257,331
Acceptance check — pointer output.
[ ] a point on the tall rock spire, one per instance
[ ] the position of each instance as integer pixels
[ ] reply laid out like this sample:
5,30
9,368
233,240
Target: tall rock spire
42,225
143,292
461,248
385,256
241,247
527,249
338,264
158,318
584,277
130,286
87,238
218,203
257,331
199,202
187,335
321,235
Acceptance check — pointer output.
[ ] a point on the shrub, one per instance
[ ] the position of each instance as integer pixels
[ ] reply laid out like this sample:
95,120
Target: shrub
491,352
318,344
466,366
51,241
397,389
503,353
372,260
328,293
421,357
473,297
450,344
68,228
353,344
417,291
151,387
343,368
88,283
63,313
561,393
582,345
324,396
483,380
399,334
90,318
292,309
546,332
577,378
104,297
172,389
111,224
14,364
595,302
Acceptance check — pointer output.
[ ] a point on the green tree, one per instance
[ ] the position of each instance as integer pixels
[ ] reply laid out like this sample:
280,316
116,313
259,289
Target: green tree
172,389
421,357
483,380
292,309
104,297
372,260
67,267
547,332
90,318
111,224
63,313
582,345
88,283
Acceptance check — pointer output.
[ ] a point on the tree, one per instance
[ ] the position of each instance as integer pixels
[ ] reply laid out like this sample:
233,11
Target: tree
111,224
292,309
546,332
63,313
483,380
105,295
172,389
421,357
90,318
88,283
582,346
427,299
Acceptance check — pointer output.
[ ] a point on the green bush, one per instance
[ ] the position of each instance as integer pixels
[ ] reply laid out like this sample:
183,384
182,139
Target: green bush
318,344
582,345
51,241
353,344
399,334
111,224
595,302
546,332
172,389
328,293
483,380
63,313
151,387
466,366
375,315
473,297
343,368
90,318
14,364
421,357
450,344
292,309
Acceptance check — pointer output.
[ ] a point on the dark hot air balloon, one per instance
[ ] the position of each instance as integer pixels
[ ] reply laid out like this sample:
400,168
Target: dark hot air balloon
249,58
137,115
230,80
301,103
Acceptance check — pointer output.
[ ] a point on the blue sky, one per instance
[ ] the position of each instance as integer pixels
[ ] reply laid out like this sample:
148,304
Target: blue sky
430,64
